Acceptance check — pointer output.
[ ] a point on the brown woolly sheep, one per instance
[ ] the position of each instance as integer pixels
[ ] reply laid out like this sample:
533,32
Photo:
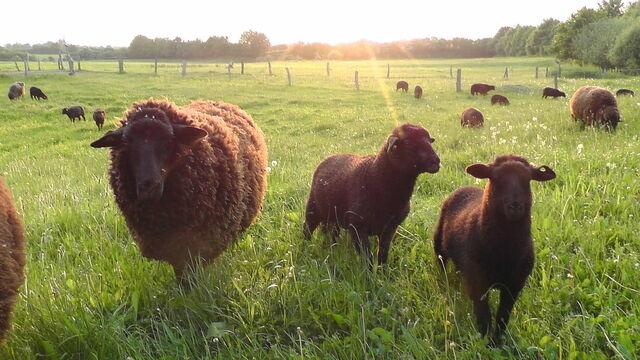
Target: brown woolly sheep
625,92
482,89
369,195
595,106
98,117
551,92
16,90
12,257
499,99
487,234
74,112
417,92
36,93
402,85
188,180
471,117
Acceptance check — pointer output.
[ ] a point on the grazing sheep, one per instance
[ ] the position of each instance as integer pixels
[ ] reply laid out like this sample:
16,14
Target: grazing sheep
471,117
487,234
551,92
402,85
595,106
625,92
98,117
499,99
482,89
37,93
187,179
369,195
12,257
417,92
74,112
16,90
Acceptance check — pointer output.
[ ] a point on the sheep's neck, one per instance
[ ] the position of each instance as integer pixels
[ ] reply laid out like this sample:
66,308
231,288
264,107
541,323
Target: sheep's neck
496,223
389,181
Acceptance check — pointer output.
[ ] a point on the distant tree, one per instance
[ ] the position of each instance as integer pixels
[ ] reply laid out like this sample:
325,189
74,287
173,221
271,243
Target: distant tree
610,8
626,50
501,39
594,42
633,10
217,46
540,39
254,44
141,47
561,45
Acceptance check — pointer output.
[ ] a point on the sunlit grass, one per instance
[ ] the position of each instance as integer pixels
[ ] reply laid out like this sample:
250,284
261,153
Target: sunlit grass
90,295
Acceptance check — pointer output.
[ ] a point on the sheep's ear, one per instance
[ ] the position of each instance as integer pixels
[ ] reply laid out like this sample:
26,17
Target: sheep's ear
542,173
432,140
110,139
480,171
391,141
188,135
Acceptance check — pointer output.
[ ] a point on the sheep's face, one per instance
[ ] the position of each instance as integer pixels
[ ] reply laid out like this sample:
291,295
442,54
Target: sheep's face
508,190
149,145
409,148
611,117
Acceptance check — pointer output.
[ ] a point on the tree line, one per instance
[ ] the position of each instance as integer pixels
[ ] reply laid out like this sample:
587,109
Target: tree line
608,37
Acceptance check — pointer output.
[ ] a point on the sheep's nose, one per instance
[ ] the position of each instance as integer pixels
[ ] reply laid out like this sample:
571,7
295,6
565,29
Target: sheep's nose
515,206
149,189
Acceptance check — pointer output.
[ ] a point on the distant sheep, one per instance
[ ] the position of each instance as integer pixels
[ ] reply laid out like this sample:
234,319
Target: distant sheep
417,92
402,85
74,112
16,90
487,234
499,99
482,89
12,257
98,117
369,195
595,106
37,93
188,180
471,117
551,92
625,92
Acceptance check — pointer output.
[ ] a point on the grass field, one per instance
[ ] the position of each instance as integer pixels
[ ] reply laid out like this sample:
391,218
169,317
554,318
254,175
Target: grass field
89,294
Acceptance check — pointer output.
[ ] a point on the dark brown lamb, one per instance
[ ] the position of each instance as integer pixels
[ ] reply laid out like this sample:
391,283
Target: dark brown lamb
471,117
487,234
595,106
99,116
16,90
499,99
12,257
369,195
417,92
481,89
552,92
622,92
188,180
402,85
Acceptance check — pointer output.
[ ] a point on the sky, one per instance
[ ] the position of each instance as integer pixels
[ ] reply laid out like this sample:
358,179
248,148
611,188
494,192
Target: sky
117,22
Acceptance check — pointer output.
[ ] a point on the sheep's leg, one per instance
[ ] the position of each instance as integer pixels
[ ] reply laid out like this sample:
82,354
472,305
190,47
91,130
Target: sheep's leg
507,300
361,242
384,245
311,221
480,298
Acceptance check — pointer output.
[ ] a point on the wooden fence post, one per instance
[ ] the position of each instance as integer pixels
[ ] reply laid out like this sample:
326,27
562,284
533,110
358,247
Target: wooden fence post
555,81
357,81
26,67
121,66
79,66
288,76
155,66
71,69
451,71
459,80
242,67
536,72
229,66
27,61
328,70
17,67
184,67
546,72
506,73
270,73
60,66
559,71
388,70
39,68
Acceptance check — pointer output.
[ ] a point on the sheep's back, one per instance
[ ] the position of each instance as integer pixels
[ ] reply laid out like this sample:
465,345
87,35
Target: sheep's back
12,257
588,100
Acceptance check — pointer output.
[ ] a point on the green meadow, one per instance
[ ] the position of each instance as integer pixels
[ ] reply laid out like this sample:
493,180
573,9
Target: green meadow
89,294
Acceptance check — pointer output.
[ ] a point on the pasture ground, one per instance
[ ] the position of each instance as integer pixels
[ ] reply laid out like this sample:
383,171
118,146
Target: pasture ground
89,294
